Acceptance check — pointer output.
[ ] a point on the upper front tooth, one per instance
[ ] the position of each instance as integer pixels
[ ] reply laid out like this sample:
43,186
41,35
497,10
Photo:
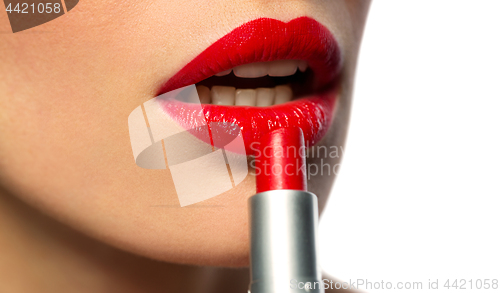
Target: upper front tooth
224,72
223,95
283,67
302,65
273,68
246,97
251,70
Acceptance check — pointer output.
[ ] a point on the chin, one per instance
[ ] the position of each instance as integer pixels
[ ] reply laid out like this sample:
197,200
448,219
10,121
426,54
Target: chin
209,233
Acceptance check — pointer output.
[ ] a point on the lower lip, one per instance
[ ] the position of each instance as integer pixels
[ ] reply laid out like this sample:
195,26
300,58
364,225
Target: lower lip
311,114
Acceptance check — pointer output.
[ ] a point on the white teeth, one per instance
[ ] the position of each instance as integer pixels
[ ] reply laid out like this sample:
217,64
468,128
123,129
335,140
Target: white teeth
223,95
265,97
247,97
224,72
260,97
204,94
273,68
283,94
251,70
302,65
283,68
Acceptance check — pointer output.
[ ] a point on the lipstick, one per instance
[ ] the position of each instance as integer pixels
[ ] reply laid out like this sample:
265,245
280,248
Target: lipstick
283,218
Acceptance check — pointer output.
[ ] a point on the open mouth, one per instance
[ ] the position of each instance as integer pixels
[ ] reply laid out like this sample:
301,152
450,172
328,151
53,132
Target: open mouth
264,75
260,84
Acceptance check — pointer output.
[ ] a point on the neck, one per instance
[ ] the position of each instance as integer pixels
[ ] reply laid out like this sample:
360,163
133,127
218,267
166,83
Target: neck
39,254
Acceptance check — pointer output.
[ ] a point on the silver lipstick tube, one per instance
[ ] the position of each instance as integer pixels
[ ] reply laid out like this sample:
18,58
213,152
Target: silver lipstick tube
283,242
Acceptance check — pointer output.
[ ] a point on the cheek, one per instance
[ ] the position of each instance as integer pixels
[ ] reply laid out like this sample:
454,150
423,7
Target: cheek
67,88
72,158
65,146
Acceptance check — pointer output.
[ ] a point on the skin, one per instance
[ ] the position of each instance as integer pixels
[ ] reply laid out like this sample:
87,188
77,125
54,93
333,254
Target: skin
76,213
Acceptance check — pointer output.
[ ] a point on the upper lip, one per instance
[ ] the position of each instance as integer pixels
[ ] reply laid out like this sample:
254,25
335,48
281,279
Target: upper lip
302,38
262,40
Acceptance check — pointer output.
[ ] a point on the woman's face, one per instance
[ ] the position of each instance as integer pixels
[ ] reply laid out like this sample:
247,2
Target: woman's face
67,88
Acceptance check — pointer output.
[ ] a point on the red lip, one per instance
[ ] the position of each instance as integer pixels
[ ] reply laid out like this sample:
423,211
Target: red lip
260,40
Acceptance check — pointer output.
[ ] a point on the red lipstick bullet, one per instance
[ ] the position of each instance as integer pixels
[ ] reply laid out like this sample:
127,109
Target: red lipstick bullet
281,161
283,218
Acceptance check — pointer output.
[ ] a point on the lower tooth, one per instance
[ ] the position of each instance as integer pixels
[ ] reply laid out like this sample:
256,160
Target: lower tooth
203,94
260,97
283,94
265,97
245,97
223,95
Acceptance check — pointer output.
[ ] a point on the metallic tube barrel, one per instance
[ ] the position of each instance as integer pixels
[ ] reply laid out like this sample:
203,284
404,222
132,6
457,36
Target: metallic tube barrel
283,231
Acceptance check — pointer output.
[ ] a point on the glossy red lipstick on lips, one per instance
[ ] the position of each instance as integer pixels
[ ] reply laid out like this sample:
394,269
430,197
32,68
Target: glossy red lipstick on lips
283,218
264,40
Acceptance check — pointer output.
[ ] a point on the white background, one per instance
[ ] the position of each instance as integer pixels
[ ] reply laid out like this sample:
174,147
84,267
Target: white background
418,194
